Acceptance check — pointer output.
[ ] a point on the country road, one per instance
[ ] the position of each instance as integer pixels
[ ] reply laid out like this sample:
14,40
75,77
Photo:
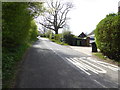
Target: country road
49,65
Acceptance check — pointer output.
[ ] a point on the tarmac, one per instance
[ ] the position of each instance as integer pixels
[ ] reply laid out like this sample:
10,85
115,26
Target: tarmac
88,51
85,50
50,65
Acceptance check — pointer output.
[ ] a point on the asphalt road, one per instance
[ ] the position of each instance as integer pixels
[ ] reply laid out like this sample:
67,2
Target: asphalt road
49,65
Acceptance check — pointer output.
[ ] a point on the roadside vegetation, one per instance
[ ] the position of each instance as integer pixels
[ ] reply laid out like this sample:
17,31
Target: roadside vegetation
107,37
19,31
59,42
105,58
65,38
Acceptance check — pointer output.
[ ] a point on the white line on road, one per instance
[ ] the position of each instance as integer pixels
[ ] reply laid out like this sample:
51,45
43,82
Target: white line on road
104,64
85,65
57,53
98,69
70,61
99,83
53,50
78,66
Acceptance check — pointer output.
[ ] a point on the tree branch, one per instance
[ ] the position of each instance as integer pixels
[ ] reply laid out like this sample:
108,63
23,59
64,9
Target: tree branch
56,15
47,26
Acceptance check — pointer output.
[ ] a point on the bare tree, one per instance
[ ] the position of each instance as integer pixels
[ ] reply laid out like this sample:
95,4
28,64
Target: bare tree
55,15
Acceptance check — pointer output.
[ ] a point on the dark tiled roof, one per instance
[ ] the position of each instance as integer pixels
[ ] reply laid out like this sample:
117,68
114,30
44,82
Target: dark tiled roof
82,35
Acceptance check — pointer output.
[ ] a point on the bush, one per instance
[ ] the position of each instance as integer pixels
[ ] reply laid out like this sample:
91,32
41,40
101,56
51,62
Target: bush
107,36
9,64
18,31
33,32
47,34
16,22
51,36
68,37
57,37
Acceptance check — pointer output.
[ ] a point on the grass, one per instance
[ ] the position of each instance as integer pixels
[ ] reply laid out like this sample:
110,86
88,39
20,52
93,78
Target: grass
10,59
100,55
58,42
10,63
106,59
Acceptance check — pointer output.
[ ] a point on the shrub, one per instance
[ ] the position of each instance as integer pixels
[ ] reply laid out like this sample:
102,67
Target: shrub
16,22
18,30
68,37
107,36
33,32
57,37
9,64
51,36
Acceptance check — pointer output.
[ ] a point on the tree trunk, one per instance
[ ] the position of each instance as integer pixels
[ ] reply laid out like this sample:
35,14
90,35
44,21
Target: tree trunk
56,31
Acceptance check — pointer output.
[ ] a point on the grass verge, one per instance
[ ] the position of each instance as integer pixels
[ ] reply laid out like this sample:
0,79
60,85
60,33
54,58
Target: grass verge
58,42
10,62
106,59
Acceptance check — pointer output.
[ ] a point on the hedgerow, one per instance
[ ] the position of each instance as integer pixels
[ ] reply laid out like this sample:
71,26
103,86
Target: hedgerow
107,36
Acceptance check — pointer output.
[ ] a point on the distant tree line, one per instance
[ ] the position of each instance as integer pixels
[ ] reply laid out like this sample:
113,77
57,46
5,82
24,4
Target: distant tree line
66,36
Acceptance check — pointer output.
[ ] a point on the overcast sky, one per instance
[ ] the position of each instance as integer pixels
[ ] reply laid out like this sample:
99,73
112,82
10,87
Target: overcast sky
86,14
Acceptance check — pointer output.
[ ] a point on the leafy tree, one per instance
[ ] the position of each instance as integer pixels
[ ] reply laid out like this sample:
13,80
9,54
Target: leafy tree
18,29
33,33
107,36
16,22
55,15
48,33
36,8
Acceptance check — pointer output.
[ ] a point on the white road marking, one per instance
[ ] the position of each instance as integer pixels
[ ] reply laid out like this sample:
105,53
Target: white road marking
57,53
84,70
86,65
98,69
99,83
58,49
71,62
104,64
53,50
78,66
37,46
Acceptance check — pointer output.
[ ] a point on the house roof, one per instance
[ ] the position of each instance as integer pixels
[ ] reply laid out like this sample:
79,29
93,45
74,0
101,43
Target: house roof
82,35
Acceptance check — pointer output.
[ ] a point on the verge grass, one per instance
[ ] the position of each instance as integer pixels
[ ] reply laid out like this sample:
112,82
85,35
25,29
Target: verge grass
106,59
10,63
58,42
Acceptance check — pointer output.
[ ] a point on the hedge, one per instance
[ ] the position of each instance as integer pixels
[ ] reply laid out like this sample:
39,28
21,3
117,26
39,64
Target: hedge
107,36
